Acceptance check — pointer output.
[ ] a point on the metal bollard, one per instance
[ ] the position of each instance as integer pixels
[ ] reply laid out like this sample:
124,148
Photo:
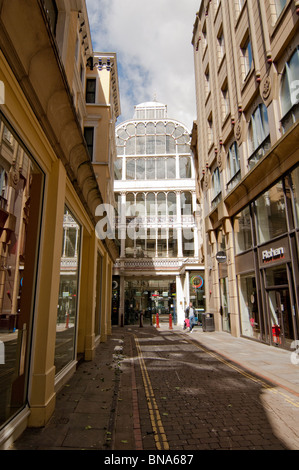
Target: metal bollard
170,321
157,320
141,320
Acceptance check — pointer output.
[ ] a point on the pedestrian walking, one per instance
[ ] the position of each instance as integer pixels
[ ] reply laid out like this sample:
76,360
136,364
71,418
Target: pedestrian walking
191,315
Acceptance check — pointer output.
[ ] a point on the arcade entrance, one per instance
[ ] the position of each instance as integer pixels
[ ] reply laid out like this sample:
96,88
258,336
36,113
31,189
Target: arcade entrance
149,296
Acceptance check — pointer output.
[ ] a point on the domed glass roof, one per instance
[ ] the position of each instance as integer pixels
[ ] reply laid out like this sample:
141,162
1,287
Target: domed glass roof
150,110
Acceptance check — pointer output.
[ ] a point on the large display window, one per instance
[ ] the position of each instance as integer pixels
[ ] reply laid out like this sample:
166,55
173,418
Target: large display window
197,292
266,261
68,292
271,213
250,322
242,231
21,193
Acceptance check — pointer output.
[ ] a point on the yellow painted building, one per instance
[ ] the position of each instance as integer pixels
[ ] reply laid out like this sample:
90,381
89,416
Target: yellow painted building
55,273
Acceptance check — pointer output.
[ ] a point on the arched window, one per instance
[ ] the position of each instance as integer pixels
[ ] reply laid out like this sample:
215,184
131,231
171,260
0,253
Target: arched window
289,92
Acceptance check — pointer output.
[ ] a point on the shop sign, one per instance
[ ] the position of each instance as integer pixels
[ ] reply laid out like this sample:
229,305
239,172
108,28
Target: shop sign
221,257
272,254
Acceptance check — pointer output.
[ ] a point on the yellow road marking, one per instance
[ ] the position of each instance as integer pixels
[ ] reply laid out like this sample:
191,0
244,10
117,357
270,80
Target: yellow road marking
159,432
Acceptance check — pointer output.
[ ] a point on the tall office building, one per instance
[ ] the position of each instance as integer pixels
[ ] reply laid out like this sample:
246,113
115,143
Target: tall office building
159,269
245,142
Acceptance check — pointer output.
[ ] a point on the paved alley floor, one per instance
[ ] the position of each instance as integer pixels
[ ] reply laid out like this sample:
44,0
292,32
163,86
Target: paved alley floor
167,390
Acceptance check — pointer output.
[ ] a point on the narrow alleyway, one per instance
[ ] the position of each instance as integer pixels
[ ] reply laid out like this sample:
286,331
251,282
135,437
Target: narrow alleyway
162,390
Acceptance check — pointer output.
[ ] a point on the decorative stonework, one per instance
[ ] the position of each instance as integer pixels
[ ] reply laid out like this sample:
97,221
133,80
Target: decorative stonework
266,88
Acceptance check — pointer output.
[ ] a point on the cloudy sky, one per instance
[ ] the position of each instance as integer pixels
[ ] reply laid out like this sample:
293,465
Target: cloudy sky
152,40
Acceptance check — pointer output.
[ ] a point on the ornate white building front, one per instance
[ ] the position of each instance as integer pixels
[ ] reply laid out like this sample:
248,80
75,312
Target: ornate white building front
159,269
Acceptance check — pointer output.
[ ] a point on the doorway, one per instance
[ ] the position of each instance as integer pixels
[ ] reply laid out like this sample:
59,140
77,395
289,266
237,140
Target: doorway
149,296
280,305
281,317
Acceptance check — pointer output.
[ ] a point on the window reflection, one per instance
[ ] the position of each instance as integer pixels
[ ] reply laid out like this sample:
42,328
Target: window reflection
271,213
21,187
242,231
68,292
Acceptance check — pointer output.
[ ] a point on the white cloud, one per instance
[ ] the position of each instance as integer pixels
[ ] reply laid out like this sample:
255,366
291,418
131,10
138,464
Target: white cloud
152,40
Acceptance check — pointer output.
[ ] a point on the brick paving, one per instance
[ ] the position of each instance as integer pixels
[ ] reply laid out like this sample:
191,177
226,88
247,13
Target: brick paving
150,389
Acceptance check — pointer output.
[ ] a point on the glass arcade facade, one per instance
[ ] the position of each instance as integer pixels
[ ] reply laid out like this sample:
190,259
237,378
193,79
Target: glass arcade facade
155,205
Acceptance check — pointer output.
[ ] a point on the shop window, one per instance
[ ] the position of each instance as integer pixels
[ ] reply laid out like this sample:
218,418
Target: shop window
98,307
224,291
271,213
21,185
68,292
248,305
197,292
289,92
258,135
242,231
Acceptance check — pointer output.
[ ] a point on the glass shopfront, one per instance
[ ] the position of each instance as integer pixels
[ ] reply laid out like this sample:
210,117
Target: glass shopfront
266,247
68,292
279,305
21,193
149,296
197,292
